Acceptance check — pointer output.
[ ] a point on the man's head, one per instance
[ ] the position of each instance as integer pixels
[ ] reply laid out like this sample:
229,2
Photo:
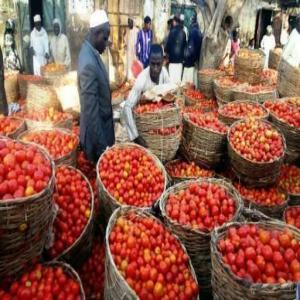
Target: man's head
130,23
228,23
56,27
37,22
176,21
235,35
147,23
298,23
269,30
99,30
156,62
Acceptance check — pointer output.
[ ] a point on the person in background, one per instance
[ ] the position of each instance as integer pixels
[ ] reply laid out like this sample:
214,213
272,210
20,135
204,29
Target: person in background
184,27
227,26
11,57
284,36
130,42
175,50
235,45
251,45
268,43
39,45
169,27
3,101
192,52
96,117
291,52
59,46
144,41
153,75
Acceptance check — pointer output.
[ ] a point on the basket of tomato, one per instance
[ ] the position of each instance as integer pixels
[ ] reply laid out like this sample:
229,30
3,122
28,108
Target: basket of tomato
11,127
193,97
206,79
24,80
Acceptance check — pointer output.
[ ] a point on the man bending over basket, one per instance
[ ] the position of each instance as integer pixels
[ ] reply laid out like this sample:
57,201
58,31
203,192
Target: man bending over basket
153,75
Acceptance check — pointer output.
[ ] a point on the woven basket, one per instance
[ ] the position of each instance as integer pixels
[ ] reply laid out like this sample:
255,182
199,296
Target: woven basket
248,67
230,120
206,82
224,93
41,96
108,202
274,58
24,80
288,84
254,173
202,145
13,135
80,249
116,286
228,286
51,76
11,86
260,97
69,159
24,226
189,101
197,243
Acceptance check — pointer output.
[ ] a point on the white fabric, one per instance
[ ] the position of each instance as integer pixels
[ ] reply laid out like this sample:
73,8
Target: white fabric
227,52
149,8
158,91
284,37
186,32
60,50
40,44
175,71
142,84
130,42
188,75
98,17
291,52
181,17
57,21
267,43
37,18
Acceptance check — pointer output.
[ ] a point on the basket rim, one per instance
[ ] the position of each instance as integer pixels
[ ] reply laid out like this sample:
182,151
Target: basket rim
278,159
184,184
173,106
148,152
50,182
89,222
22,124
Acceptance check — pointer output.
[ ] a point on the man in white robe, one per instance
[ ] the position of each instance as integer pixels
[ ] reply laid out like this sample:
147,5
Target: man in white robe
267,44
291,52
153,75
39,45
130,42
59,46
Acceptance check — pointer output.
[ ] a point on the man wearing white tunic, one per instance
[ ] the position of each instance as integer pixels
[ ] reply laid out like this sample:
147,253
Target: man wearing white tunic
291,52
130,42
153,75
59,46
268,43
39,45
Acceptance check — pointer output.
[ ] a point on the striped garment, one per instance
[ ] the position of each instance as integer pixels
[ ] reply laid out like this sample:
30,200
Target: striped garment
144,41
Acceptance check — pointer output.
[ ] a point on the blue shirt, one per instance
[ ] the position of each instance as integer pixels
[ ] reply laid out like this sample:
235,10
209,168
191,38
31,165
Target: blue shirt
144,41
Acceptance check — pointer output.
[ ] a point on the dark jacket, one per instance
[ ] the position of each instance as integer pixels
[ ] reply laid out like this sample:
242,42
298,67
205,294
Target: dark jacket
192,52
96,117
3,102
176,45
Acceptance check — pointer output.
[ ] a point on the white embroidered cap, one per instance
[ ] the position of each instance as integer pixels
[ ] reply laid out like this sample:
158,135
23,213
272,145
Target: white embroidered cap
37,18
98,17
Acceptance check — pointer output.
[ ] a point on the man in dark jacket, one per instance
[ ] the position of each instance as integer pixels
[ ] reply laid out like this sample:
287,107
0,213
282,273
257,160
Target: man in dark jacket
96,118
192,52
3,102
175,51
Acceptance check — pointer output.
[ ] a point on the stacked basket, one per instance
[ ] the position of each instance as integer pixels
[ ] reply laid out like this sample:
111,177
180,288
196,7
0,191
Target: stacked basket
24,80
11,86
53,72
206,79
274,58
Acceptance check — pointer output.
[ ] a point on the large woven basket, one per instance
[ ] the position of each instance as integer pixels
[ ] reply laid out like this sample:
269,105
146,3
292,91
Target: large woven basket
228,286
69,159
11,86
197,243
22,127
230,120
80,249
254,173
24,80
274,58
108,202
116,286
248,66
41,96
206,81
261,97
202,145
288,84
24,227
52,76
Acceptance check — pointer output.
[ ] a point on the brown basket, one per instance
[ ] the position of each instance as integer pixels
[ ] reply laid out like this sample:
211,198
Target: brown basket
254,173
274,58
108,202
52,77
230,120
288,84
261,97
24,227
69,159
78,252
206,82
248,68
13,135
116,286
41,96
24,80
228,286
189,101
197,243
202,145
11,86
